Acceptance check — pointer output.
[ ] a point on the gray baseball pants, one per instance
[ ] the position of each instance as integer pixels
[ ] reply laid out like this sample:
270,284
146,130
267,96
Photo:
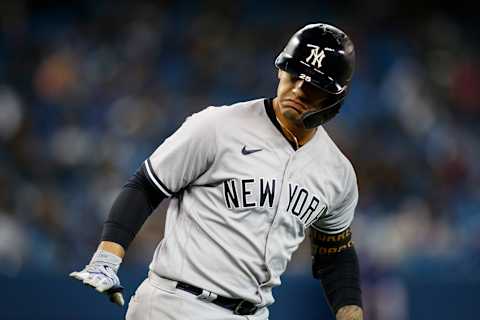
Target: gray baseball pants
158,299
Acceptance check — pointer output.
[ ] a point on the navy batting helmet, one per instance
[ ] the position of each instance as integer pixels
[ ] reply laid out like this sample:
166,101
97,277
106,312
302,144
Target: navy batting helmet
324,56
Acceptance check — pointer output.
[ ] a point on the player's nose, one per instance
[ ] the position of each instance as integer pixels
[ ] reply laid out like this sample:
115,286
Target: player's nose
299,88
307,93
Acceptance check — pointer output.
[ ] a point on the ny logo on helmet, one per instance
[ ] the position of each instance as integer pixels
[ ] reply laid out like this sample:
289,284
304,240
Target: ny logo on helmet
316,55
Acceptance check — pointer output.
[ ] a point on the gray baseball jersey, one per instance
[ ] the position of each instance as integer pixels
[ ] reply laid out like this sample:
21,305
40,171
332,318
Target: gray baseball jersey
242,199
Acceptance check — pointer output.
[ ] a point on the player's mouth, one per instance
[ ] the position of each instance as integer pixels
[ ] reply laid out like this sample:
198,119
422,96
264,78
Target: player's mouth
294,104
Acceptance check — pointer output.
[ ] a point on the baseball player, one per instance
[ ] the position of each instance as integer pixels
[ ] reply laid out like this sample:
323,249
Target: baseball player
245,184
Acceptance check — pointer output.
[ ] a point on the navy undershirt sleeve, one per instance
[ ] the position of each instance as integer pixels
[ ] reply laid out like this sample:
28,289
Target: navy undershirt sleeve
340,277
137,200
335,263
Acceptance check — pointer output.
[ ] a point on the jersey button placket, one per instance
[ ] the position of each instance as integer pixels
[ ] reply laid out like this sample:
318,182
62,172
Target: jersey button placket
283,188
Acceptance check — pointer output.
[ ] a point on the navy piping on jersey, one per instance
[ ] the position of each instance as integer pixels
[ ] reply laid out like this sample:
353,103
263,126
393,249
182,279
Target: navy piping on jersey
329,231
271,114
153,177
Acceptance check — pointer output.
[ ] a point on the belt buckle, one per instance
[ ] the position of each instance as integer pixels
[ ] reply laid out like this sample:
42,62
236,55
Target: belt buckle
238,309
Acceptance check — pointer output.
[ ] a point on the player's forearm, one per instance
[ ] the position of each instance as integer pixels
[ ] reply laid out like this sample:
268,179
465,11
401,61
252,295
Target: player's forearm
112,247
335,263
350,312
340,277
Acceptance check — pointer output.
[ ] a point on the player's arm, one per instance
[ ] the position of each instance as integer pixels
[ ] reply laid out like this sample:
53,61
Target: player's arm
178,161
137,200
350,312
135,203
335,264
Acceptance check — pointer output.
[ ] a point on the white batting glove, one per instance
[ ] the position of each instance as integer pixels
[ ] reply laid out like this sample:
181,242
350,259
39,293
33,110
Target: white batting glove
101,274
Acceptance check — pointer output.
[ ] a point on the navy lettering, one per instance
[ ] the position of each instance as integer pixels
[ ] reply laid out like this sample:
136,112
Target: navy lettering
315,217
311,207
230,195
246,192
266,190
291,195
299,210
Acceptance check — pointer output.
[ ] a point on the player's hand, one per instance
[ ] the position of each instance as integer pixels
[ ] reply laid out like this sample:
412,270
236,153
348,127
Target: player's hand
101,274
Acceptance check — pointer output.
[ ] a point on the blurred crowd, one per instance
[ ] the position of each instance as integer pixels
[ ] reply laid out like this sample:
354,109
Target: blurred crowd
88,91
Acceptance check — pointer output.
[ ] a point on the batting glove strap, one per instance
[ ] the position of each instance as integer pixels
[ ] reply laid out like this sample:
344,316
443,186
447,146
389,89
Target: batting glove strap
105,259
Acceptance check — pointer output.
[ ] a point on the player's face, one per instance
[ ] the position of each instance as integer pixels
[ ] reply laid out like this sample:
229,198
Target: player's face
296,96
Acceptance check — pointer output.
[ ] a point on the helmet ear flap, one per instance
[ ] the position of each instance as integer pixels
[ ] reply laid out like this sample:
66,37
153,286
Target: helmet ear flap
317,118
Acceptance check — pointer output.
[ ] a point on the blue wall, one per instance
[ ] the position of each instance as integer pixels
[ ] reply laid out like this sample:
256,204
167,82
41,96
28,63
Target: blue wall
52,296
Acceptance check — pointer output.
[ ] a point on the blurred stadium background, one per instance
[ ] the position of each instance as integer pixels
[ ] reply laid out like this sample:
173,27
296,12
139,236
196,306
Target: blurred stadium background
88,90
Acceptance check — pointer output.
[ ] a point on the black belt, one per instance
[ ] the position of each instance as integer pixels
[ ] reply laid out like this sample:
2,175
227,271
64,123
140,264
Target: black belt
238,306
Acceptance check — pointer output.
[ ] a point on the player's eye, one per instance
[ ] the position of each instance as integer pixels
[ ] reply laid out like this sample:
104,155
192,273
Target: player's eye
293,77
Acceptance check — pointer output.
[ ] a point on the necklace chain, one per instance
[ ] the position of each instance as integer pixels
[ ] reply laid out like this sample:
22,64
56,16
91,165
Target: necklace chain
297,145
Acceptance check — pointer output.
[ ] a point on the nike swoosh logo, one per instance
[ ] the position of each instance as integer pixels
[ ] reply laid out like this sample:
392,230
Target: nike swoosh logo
246,151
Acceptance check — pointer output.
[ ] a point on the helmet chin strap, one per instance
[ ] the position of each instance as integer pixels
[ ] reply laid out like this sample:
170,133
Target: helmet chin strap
330,111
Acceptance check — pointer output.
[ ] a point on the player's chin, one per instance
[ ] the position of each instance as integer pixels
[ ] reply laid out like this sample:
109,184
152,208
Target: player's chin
292,115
